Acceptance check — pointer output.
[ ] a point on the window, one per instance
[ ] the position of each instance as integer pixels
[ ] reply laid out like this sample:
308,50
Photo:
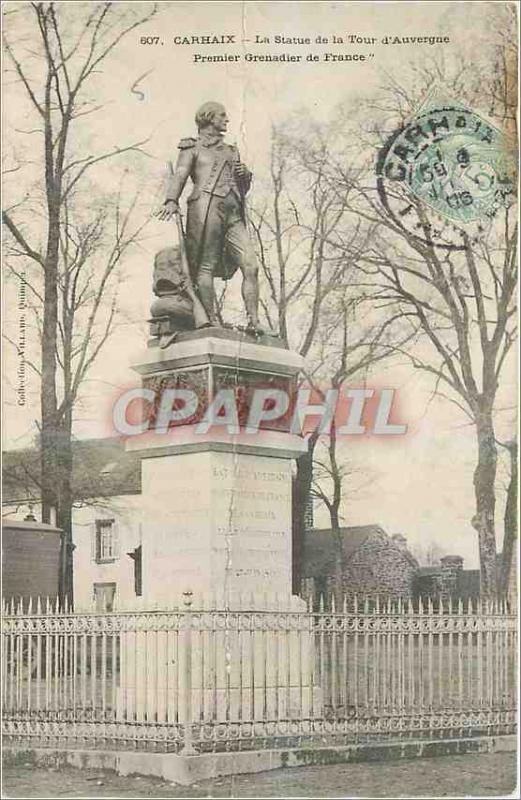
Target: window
135,555
105,544
104,597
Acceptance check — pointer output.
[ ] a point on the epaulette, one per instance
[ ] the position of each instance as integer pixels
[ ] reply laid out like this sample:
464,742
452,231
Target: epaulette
184,144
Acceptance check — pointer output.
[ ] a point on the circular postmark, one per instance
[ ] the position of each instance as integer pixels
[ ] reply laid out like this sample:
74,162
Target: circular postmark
445,174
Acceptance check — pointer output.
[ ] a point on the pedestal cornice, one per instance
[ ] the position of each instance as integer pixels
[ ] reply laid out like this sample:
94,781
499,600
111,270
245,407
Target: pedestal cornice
184,439
240,352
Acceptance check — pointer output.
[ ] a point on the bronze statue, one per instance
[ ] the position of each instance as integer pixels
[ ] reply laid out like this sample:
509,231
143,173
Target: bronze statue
217,240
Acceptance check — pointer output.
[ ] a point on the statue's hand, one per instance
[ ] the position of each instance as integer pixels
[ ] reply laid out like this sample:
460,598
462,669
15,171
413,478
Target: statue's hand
167,211
241,170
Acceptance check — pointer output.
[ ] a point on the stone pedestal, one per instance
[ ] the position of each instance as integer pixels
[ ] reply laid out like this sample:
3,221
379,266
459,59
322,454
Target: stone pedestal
216,524
216,541
217,506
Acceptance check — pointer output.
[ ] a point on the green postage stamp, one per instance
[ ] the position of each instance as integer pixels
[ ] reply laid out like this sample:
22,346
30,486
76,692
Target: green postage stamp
453,161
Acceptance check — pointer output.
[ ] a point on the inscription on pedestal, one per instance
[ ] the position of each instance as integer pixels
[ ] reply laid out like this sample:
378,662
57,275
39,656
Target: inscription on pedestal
216,523
255,541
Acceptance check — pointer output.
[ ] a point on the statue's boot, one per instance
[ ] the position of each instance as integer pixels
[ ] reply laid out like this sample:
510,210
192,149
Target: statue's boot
254,327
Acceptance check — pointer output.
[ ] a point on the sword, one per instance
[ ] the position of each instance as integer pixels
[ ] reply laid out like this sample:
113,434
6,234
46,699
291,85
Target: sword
240,184
201,317
244,203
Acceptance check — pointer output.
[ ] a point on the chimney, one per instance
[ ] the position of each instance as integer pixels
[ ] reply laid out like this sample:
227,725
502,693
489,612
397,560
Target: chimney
451,567
454,563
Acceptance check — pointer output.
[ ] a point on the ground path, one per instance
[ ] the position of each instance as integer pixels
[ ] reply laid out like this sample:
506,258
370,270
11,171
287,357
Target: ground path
448,776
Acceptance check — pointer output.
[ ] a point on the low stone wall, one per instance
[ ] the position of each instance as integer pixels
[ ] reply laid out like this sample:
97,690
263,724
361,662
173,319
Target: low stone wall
192,768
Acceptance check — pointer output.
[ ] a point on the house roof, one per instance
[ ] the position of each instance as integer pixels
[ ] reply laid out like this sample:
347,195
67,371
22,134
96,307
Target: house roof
32,525
320,547
430,570
101,468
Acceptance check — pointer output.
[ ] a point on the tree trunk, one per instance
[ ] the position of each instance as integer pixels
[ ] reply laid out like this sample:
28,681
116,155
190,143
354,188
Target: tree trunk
65,499
334,508
510,522
484,489
300,499
48,386
339,555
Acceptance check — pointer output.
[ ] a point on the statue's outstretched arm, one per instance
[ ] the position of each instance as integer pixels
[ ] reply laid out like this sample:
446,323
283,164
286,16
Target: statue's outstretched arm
177,181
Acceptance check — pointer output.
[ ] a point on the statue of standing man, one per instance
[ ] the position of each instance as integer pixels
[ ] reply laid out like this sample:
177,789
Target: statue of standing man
217,240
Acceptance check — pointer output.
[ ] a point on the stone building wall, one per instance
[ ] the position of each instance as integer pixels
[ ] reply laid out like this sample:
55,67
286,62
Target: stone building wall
374,564
447,581
379,566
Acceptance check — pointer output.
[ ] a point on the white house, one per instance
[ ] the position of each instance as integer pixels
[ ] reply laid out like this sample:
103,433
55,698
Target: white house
106,519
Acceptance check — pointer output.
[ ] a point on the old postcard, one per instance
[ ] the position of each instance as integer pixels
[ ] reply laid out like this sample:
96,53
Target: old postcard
260,399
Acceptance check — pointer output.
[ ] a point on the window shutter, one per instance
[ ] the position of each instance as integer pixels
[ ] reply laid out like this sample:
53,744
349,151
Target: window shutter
93,538
115,535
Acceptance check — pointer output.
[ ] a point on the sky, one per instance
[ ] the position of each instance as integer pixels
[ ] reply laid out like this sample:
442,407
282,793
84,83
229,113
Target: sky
420,485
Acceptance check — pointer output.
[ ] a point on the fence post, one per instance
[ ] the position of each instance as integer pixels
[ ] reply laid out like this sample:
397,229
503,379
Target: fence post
187,748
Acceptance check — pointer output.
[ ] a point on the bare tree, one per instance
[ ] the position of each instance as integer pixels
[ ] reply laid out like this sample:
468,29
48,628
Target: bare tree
68,48
353,352
506,576
449,297
429,553
461,304
299,272
307,244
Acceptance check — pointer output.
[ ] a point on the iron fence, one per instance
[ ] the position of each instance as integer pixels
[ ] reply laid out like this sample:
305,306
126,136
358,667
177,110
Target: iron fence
195,679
